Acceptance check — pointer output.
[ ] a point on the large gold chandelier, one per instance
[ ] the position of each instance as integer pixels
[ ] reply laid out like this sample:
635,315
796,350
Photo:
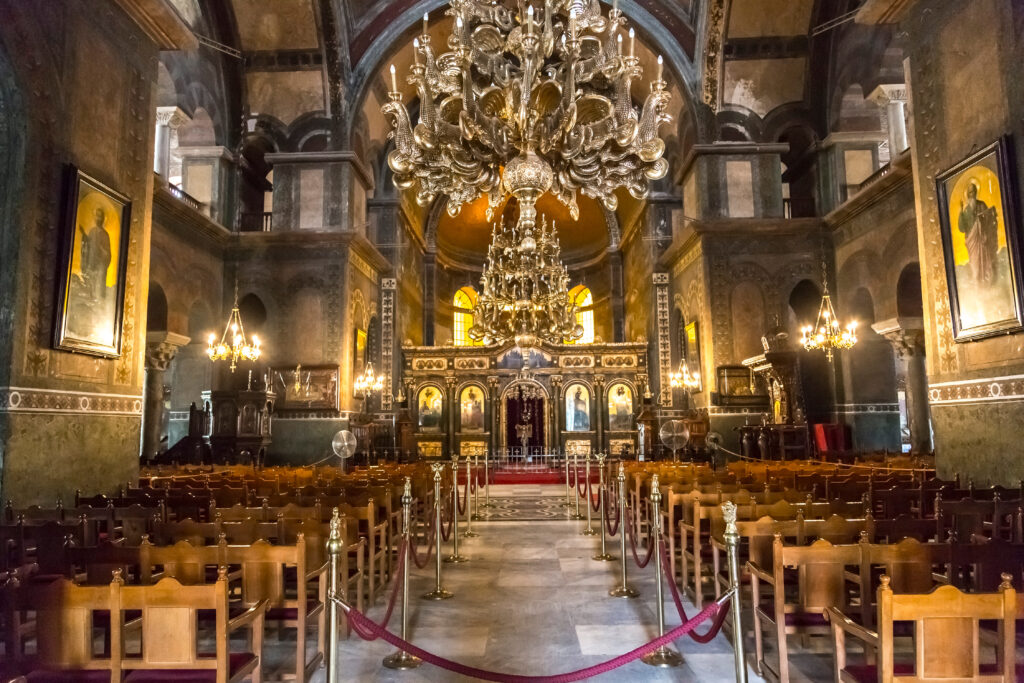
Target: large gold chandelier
525,295
524,103
827,334
233,345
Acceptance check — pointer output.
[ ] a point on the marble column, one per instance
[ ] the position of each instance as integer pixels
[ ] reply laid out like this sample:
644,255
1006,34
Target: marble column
907,338
167,121
894,98
161,348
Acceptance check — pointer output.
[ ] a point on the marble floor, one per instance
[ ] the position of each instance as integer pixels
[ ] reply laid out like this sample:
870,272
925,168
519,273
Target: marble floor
531,601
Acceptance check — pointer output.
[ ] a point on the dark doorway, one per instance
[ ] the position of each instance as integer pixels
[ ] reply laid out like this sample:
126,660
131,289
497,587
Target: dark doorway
524,417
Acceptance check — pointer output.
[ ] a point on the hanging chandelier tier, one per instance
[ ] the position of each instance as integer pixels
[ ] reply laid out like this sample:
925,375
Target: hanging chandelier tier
528,102
233,345
525,289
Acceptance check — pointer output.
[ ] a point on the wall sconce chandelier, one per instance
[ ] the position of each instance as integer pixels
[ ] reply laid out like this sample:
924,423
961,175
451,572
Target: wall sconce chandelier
233,344
827,334
368,383
524,102
683,379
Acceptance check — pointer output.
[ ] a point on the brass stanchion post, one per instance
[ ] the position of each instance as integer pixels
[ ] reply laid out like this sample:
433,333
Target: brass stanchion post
487,482
576,486
604,556
624,590
664,656
589,531
732,550
335,546
476,489
438,593
567,503
469,517
402,659
455,558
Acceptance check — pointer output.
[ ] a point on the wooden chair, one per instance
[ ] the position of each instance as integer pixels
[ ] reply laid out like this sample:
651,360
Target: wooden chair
264,570
170,638
909,564
64,637
374,530
820,583
946,636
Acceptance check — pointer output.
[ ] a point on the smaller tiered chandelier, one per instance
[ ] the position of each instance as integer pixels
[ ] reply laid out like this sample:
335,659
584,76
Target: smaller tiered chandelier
525,295
827,334
368,383
233,345
683,378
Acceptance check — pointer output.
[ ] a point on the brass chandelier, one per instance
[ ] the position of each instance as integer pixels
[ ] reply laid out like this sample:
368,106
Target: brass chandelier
233,345
827,334
525,295
528,102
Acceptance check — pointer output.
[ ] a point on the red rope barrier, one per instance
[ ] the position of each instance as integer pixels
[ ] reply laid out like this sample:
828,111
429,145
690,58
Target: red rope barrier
368,630
631,533
716,626
403,551
609,505
445,535
596,507
465,498
430,548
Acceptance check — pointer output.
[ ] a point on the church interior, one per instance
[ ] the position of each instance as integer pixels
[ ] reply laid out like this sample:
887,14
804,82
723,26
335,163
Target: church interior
296,294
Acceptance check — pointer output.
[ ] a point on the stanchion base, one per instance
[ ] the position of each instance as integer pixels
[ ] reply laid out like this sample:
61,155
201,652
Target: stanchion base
663,657
470,534
604,558
588,532
456,559
623,592
439,594
401,661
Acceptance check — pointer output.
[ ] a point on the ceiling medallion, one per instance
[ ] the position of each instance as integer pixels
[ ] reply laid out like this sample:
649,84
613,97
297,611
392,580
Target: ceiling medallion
525,103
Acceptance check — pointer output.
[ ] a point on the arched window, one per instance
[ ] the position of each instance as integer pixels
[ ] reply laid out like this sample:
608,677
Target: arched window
462,317
580,296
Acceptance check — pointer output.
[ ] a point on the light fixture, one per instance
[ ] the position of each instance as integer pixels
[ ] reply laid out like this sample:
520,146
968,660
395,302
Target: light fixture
683,379
368,383
525,290
827,334
233,344
525,103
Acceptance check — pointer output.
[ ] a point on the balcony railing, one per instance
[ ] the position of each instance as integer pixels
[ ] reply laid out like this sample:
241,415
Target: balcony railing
185,197
257,222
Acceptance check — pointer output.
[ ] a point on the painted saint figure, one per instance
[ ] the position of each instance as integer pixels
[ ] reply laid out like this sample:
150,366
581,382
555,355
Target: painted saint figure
96,254
472,411
980,226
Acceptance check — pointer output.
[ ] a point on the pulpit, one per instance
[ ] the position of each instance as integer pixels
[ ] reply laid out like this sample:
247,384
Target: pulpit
240,426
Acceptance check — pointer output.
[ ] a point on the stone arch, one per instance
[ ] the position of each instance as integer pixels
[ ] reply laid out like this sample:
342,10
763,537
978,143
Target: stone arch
909,297
156,308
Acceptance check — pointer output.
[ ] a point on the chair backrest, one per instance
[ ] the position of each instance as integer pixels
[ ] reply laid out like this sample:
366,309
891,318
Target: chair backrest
946,632
64,619
909,564
821,572
183,561
169,623
264,570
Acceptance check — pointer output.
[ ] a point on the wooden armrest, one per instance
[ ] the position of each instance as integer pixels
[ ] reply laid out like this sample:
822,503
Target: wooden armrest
841,621
249,616
760,573
317,572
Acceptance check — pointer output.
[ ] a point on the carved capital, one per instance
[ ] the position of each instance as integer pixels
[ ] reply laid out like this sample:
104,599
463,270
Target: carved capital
161,348
172,117
905,334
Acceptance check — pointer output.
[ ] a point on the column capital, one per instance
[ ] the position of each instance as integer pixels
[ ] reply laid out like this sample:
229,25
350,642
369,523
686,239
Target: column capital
888,92
905,334
162,347
172,117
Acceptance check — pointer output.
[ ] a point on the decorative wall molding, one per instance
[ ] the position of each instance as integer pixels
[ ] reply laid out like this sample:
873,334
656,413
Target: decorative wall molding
363,266
474,363
661,282
984,390
30,400
430,364
618,361
861,408
576,361
387,338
